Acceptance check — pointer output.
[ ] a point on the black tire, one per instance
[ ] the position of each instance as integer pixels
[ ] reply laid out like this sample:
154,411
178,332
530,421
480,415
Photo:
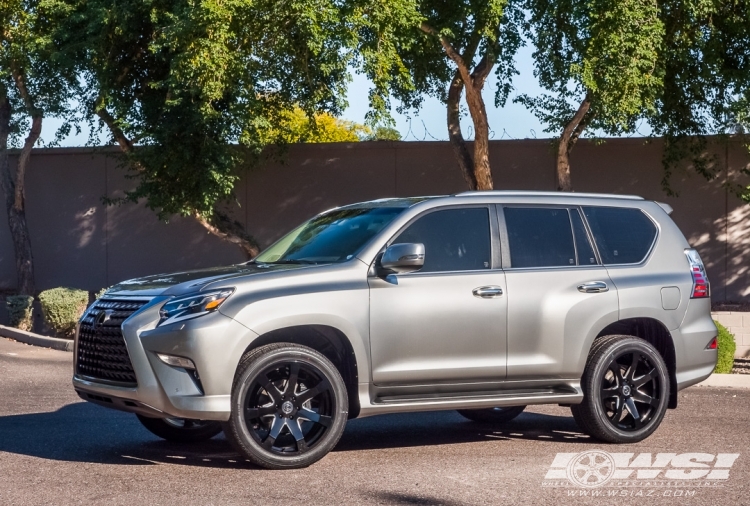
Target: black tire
289,406
181,430
625,390
492,415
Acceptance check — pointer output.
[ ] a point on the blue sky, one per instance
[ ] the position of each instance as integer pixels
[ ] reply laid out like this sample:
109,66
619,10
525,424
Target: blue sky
429,123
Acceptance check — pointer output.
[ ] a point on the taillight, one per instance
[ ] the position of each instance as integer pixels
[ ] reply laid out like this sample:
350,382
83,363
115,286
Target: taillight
701,286
712,344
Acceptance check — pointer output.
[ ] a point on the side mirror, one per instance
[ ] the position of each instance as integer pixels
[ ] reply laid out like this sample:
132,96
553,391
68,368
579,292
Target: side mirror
400,258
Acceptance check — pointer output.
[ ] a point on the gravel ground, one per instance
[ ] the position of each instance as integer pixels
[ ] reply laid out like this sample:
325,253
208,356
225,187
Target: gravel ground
55,449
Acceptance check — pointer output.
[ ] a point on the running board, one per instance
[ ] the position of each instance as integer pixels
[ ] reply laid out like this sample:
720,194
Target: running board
436,402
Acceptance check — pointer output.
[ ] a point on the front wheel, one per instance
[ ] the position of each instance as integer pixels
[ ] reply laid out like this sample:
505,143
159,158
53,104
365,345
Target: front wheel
492,415
181,430
625,390
289,406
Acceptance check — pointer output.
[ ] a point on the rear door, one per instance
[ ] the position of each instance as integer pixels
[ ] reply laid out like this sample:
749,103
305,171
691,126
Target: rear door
559,294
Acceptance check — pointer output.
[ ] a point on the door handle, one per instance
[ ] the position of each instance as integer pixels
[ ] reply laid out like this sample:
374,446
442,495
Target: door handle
593,287
487,292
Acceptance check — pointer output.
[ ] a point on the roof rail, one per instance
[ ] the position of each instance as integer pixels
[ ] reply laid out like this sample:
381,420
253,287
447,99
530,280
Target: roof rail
522,193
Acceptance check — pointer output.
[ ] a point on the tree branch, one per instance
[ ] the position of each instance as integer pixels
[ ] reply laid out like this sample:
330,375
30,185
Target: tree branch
451,52
576,125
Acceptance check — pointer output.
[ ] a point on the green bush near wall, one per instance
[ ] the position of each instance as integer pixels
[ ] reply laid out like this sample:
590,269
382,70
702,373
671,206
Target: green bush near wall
62,308
19,311
726,348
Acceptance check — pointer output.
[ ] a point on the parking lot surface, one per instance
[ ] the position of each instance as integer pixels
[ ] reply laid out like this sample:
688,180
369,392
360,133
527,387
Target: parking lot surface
57,449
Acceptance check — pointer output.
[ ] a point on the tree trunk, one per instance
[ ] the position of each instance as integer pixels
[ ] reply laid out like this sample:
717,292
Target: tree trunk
465,163
219,224
15,198
568,138
478,112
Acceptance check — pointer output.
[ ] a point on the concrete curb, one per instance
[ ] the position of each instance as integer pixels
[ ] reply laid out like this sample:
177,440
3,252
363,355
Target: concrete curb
726,381
35,339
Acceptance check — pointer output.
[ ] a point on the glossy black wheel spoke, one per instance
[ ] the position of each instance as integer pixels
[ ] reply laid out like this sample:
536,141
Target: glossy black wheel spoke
632,409
645,399
609,392
314,417
257,412
642,380
291,383
296,432
634,359
618,410
273,434
318,389
271,389
616,371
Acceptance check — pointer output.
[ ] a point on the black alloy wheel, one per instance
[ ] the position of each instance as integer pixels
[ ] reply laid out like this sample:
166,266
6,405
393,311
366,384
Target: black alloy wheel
289,406
492,415
181,430
630,391
625,390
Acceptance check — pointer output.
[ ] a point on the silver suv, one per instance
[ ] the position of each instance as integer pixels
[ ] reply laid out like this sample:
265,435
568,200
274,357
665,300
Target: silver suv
483,302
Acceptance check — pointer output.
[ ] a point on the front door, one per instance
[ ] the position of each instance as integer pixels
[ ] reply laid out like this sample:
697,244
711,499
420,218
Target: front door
447,322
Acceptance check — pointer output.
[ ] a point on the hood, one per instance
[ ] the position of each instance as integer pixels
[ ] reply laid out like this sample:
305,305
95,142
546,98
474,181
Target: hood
192,281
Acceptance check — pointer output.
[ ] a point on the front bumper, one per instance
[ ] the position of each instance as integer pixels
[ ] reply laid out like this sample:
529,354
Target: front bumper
214,342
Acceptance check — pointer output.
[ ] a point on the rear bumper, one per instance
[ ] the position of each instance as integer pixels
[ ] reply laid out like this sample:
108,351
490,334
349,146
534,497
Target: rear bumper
694,363
215,344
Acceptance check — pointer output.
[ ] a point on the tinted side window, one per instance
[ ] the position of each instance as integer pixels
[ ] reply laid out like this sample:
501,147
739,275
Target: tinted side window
454,239
539,237
623,236
584,249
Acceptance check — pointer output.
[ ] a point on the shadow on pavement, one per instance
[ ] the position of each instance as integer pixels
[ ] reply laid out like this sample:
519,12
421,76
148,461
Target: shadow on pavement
83,432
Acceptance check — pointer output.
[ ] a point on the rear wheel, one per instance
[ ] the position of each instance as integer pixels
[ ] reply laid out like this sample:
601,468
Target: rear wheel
492,415
289,406
625,390
181,430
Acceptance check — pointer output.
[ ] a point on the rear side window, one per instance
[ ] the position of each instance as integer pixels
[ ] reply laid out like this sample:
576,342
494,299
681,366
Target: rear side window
623,236
539,237
454,239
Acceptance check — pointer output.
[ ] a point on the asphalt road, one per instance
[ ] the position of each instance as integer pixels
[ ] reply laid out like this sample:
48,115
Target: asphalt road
56,449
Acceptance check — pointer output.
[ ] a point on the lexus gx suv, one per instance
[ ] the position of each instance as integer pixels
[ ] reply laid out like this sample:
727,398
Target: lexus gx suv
481,302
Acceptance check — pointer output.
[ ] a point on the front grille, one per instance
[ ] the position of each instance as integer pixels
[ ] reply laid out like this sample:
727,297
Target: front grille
102,353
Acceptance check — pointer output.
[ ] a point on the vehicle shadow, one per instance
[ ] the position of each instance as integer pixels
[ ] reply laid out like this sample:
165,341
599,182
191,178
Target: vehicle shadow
83,432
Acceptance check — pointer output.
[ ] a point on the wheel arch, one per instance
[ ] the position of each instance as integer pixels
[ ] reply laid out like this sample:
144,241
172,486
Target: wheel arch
328,340
655,333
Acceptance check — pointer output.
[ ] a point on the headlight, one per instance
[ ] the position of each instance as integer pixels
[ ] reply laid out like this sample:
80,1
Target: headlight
192,306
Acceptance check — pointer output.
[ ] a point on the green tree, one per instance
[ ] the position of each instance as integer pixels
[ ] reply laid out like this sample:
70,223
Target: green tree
706,82
598,60
34,84
414,48
186,88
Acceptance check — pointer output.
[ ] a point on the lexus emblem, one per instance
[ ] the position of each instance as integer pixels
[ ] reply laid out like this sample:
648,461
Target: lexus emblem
103,317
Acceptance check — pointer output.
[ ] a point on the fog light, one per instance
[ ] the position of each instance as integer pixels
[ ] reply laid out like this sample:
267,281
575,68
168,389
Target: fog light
184,363
712,345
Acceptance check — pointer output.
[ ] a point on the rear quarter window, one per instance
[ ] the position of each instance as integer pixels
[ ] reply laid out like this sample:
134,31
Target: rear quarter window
622,235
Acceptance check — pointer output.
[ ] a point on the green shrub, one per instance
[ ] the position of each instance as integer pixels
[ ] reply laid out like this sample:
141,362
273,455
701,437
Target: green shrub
101,293
62,308
726,347
19,311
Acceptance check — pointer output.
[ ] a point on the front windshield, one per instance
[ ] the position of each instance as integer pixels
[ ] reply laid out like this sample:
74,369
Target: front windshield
335,236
